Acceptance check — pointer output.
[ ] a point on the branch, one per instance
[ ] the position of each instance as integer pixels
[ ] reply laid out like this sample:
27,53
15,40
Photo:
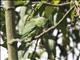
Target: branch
9,17
52,27
56,5
46,3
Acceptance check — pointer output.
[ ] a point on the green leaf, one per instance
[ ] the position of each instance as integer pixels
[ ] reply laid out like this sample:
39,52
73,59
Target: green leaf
51,44
21,24
48,10
23,11
40,21
20,54
49,13
28,37
39,9
55,1
27,28
43,0
19,2
73,14
39,5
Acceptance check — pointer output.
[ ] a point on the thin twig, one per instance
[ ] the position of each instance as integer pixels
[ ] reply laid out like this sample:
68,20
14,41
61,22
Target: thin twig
56,5
52,27
46,3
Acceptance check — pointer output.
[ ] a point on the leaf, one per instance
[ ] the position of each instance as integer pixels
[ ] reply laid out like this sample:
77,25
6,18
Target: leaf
19,2
20,54
38,8
73,15
55,2
28,37
21,24
49,13
51,44
40,21
43,0
40,51
39,5
48,10
23,11
27,28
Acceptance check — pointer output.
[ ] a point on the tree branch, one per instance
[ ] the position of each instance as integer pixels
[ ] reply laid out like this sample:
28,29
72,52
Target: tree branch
56,5
9,17
52,27
46,3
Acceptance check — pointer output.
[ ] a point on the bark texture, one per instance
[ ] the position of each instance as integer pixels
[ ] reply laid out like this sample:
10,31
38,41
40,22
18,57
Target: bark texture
9,17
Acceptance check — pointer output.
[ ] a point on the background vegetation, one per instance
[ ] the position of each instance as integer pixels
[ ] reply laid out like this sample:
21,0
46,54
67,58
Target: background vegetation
40,26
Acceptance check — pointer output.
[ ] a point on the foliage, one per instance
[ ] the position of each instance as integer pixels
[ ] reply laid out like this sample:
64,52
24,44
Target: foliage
36,22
